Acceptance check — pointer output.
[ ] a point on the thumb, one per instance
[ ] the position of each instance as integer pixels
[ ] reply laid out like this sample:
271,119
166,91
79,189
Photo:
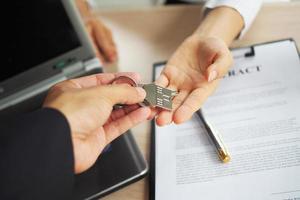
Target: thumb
219,67
122,94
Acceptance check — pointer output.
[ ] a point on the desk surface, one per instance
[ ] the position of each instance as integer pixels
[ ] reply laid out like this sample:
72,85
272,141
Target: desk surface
147,35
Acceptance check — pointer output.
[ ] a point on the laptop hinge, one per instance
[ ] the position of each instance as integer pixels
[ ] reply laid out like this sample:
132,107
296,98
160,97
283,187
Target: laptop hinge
72,70
81,67
91,64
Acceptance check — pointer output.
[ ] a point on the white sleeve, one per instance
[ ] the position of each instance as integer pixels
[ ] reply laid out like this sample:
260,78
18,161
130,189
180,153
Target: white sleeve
247,9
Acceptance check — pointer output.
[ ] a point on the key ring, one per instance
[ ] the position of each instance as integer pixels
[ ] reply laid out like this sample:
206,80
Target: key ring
124,80
131,82
156,96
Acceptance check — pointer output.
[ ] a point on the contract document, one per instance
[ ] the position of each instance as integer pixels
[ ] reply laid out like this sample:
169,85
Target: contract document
256,110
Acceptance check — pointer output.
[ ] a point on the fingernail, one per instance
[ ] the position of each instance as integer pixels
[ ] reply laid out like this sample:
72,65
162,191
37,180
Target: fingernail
212,75
141,92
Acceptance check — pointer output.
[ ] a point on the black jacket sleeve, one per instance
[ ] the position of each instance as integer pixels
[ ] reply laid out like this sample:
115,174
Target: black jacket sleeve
36,156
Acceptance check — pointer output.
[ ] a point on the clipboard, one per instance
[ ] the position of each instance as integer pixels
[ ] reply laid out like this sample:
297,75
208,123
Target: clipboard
248,51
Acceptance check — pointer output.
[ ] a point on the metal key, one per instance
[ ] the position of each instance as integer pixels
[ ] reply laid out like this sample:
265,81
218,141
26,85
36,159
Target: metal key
157,96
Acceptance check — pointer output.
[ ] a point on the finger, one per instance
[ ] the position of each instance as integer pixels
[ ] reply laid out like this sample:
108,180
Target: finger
113,57
154,112
102,79
110,36
166,117
97,52
104,41
120,94
162,80
116,114
89,29
193,102
220,66
119,126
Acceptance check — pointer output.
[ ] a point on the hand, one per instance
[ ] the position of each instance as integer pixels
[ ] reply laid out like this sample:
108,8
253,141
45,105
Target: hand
103,41
87,104
194,71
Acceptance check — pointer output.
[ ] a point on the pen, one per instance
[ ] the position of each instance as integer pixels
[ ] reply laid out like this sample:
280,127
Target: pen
215,139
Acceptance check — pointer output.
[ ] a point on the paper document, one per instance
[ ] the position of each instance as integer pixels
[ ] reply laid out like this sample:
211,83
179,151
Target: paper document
256,110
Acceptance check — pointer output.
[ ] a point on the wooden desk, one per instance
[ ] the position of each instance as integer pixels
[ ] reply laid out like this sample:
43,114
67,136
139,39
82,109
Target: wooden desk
148,35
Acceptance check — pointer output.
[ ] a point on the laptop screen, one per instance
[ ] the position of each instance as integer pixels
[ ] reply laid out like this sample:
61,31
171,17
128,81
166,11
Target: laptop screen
36,31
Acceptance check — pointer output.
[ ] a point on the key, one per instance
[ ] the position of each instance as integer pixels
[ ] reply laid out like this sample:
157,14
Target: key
156,96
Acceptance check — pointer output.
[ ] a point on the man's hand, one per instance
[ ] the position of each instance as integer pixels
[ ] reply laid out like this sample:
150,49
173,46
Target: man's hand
87,103
194,71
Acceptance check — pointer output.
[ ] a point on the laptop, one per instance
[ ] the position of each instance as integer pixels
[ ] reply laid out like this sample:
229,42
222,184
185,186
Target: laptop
45,43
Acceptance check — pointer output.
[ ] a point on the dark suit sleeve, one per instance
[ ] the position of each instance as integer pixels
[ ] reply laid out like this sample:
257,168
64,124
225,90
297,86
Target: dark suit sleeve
36,156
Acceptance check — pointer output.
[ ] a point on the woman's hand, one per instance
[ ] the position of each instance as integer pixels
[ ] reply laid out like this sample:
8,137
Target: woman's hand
100,34
194,71
103,40
199,63
87,104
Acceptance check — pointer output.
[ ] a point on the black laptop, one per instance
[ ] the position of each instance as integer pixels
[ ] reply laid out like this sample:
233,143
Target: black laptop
45,43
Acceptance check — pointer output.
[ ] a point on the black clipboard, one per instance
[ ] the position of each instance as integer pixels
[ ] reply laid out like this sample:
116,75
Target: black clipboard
249,53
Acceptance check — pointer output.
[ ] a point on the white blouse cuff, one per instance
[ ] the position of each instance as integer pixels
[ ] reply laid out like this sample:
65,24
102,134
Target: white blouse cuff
247,9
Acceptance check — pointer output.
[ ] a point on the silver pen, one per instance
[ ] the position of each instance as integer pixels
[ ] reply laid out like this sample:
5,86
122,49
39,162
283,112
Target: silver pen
215,139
